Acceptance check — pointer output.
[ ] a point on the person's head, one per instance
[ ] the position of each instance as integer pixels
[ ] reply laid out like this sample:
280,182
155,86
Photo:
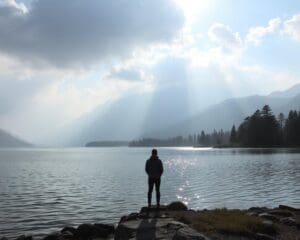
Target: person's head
154,152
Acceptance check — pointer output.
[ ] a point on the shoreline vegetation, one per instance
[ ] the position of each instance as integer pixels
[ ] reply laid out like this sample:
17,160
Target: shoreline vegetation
260,130
175,221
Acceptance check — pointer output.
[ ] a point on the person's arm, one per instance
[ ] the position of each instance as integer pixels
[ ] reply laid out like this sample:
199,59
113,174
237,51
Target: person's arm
147,167
161,168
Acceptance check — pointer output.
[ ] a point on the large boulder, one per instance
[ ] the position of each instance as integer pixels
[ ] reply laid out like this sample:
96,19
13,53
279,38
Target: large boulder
177,206
104,230
87,231
156,228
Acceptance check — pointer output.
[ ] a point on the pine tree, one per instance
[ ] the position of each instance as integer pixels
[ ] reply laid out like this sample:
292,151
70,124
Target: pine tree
233,135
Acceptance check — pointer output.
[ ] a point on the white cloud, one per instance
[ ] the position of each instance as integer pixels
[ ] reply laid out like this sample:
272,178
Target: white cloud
20,7
256,34
292,27
126,74
225,37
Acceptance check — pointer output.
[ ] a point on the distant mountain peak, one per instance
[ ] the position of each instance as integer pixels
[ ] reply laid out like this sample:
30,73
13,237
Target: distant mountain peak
290,92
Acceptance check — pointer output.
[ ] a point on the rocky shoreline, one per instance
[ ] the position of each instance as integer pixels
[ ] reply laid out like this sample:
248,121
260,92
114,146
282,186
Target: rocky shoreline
176,221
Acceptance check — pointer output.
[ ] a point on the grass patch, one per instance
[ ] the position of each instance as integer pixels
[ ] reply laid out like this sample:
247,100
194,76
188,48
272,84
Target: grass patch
233,222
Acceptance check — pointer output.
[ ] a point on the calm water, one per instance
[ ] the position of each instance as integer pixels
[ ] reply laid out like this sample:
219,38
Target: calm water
42,190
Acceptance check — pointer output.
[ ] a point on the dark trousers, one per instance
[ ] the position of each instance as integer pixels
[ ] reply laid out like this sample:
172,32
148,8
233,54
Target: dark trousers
151,183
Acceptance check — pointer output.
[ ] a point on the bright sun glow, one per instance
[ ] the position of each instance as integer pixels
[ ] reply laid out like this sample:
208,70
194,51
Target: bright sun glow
192,8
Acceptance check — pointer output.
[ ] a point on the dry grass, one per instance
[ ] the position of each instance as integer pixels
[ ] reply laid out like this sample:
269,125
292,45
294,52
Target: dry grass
232,222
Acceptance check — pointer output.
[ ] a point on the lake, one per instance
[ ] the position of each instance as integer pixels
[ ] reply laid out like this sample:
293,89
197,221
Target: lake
43,190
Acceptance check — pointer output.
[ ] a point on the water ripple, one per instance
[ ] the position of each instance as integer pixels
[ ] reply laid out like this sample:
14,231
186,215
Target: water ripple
42,190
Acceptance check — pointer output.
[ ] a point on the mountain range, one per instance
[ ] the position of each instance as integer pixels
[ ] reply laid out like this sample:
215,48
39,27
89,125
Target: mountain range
166,115
8,140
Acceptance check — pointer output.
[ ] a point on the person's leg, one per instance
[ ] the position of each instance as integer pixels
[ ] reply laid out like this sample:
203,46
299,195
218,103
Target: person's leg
150,189
157,188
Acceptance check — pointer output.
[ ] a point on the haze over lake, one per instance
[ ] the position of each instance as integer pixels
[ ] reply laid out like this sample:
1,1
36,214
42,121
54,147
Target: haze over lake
43,190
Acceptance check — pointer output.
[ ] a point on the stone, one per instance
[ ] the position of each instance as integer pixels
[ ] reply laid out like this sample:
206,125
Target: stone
284,207
252,214
188,234
177,206
131,216
69,229
66,235
269,227
104,230
281,213
52,236
258,209
268,216
267,222
156,228
85,231
261,236
24,237
98,230
153,209
289,221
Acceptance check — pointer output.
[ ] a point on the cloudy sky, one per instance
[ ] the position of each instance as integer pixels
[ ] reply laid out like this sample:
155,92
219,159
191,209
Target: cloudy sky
61,59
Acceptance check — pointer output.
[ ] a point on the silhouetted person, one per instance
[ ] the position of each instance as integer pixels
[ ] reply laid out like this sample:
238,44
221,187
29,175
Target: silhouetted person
154,169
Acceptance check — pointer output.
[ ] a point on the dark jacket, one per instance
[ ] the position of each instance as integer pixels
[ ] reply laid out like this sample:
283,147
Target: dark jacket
154,167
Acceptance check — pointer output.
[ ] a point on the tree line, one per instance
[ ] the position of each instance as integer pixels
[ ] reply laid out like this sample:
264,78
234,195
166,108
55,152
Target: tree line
261,129
202,139
264,129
